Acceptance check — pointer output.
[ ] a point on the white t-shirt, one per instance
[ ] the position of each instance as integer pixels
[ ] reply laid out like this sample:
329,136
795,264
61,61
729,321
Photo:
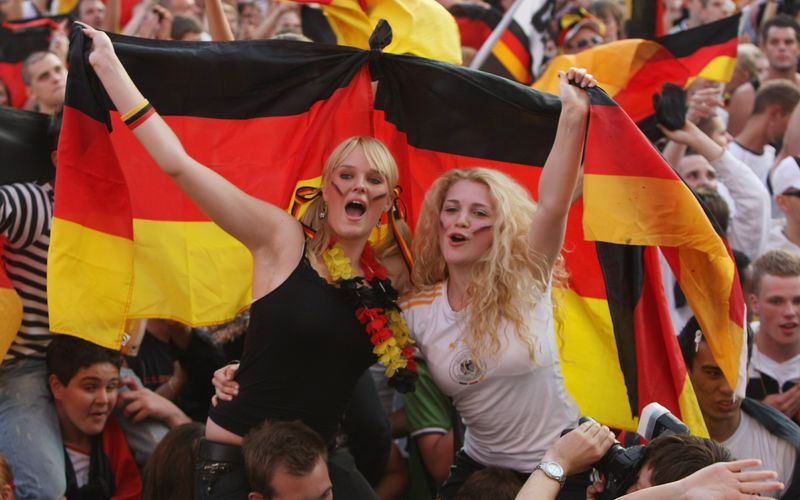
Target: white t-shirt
752,440
778,241
760,163
80,464
781,372
514,408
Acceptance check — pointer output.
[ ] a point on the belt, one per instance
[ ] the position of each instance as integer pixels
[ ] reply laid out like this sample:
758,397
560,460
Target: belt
220,452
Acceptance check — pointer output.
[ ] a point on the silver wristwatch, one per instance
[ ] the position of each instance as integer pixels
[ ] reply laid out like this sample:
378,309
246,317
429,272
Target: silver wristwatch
553,471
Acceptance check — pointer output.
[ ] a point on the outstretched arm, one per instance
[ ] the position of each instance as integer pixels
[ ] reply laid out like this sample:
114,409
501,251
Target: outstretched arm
562,168
719,481
265,229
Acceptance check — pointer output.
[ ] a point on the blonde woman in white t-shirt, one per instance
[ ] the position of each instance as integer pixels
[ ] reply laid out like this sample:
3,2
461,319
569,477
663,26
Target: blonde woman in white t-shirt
485,255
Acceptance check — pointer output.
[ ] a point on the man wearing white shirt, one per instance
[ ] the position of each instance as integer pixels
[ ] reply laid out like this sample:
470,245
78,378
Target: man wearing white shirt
775,362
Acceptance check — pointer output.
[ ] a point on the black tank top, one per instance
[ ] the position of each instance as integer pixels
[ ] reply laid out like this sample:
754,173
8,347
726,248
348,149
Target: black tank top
303,352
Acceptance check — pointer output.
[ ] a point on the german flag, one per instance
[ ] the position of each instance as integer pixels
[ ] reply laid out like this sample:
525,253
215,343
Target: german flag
421,27
511,57
646,19
18,40
24,149
127,243
632,71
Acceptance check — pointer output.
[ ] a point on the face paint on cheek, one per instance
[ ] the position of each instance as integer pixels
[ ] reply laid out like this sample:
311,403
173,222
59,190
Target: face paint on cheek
338,189
380,196
482,228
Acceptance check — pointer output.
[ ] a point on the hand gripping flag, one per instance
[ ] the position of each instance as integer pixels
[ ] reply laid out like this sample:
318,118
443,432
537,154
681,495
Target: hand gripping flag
127,243
631,71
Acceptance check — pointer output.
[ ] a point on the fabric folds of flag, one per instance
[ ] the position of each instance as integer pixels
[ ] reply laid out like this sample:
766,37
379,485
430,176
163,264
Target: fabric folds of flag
23,147
126,243
125,239
18,40
510,56
631,71
421,27
651,206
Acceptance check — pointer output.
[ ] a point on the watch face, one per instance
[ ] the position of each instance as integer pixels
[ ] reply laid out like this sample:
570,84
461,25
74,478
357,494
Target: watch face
553,469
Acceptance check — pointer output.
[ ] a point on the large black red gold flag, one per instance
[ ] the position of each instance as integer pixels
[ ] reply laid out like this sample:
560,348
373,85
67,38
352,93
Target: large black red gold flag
18,40
631,71
25,150
266,114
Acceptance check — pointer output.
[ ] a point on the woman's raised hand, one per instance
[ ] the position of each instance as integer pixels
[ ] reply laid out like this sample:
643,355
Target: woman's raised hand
572,97
102,51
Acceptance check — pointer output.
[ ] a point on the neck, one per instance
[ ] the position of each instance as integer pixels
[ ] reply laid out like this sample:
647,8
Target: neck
781,74
70,434
779,353
457,284
754,135
353,250
792,231
721,430
49,110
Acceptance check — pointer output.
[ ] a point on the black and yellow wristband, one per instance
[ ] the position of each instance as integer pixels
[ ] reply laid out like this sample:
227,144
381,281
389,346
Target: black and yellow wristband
138,114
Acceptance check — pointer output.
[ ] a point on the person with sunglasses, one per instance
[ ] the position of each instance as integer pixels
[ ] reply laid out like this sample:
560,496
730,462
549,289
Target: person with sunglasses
785,183
579,30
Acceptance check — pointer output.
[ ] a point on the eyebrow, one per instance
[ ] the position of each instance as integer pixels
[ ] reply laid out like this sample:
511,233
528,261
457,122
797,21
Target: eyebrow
471,204
97,379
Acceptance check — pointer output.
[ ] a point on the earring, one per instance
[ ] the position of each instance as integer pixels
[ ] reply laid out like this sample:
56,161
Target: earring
324,212
378,225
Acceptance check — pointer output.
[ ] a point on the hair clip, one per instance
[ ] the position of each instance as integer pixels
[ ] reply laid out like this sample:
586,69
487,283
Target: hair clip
698,336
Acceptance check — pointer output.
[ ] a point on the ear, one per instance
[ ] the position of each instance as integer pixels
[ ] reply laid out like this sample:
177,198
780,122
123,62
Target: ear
780,200
54,156
55,386
753,300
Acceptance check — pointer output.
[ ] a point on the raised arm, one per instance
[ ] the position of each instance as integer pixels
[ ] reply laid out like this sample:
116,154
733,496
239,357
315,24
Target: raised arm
218,26
562,168
266,230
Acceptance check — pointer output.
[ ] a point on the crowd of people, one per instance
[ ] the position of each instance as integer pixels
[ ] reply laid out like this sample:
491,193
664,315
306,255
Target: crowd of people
457,391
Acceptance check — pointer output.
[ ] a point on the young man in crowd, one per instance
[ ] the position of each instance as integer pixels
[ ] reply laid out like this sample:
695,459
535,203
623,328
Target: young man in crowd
775,362
773,105
785,183
780,41
286,460
85,382
45,77
748,428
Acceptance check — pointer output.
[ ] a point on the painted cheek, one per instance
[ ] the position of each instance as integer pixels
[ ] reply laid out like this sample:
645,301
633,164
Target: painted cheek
482,228
337,188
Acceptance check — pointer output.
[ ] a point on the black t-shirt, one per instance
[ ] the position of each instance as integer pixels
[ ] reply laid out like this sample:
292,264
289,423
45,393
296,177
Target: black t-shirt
303,352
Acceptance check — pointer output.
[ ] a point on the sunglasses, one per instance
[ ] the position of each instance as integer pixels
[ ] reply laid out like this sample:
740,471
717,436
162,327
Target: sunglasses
796,194
588,42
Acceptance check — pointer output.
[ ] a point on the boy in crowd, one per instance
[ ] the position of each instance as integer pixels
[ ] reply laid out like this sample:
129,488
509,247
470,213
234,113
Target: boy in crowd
85,382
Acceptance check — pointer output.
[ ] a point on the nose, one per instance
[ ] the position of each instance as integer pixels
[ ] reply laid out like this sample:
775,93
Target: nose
462,220
101,397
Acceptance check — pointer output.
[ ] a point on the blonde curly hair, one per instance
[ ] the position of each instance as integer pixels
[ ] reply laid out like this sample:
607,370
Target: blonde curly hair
378,157
517,275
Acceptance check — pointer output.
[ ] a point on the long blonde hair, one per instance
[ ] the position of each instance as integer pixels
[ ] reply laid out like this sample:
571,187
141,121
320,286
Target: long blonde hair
508,279
378,157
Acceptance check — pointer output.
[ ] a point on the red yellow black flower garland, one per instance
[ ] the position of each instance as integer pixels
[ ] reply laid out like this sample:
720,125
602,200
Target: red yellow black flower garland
376,309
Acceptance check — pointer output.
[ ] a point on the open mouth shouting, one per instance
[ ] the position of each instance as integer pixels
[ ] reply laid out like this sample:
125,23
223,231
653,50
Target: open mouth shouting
355,209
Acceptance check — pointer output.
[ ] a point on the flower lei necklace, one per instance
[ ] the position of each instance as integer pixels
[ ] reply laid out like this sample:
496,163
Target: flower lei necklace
376,309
